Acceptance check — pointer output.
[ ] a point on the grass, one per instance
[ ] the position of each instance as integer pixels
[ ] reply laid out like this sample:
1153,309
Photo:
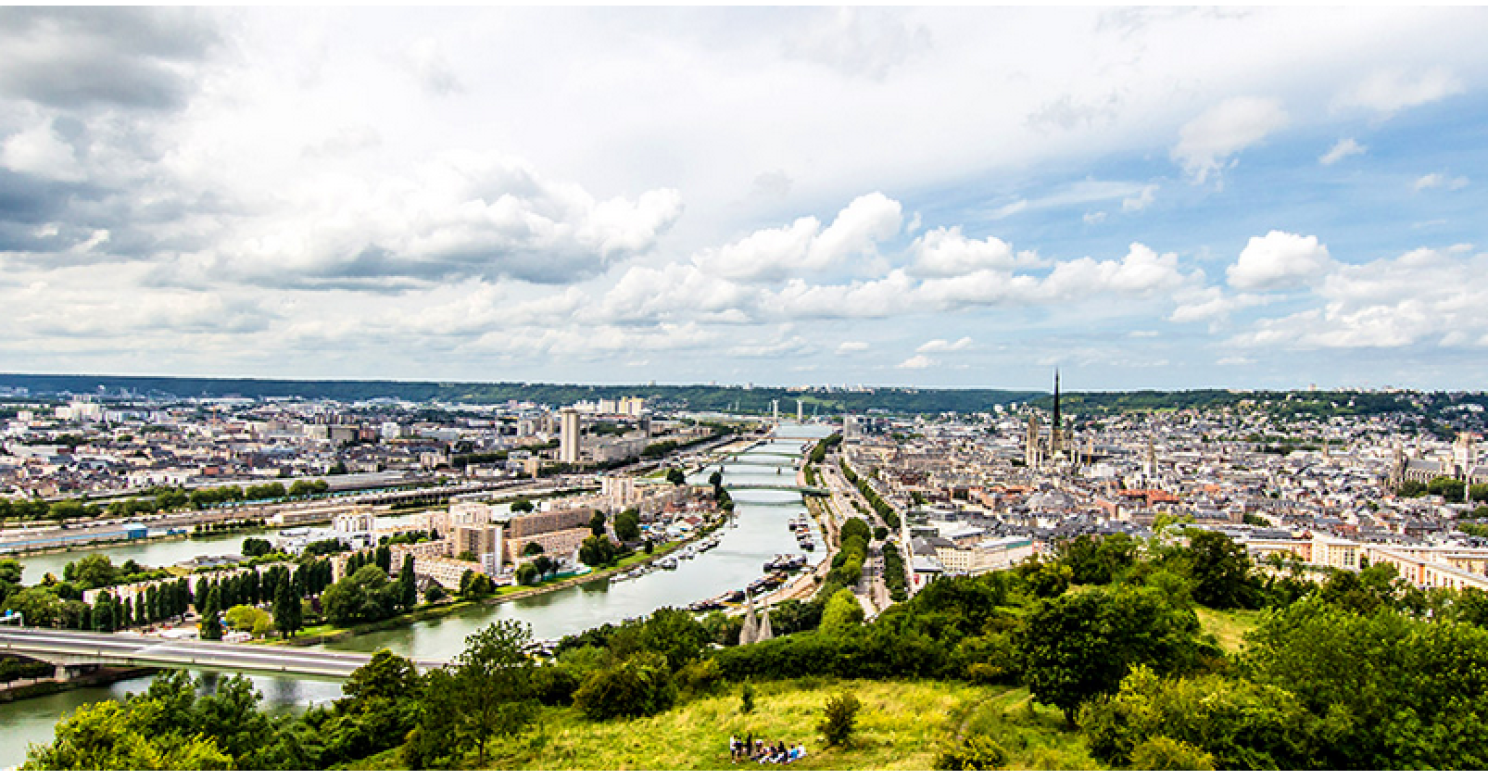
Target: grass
1228,626
903,725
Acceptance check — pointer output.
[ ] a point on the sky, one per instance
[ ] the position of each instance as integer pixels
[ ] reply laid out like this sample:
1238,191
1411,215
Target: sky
959,197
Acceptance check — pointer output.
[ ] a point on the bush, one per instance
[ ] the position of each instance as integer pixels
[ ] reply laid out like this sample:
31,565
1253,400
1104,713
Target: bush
700,677
746,698
839,718
976,753
641,686
554,684
1161,754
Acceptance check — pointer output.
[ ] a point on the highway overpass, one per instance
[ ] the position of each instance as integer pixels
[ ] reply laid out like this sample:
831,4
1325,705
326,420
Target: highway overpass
72,649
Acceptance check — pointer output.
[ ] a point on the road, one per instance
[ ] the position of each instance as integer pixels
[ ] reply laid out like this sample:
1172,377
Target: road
84,648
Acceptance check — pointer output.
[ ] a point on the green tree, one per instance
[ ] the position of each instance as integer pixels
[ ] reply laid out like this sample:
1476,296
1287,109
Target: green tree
407,585
1221,572
107,737
841,613
232,719
289,614
532,548
490,688
363,597
597,523
94,571
251,619
676,476
639,686
521,506
1080,645
527,574
628,525
41,607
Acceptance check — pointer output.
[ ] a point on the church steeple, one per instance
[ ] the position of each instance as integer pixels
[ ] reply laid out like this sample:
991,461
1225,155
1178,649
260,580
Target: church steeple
1056,399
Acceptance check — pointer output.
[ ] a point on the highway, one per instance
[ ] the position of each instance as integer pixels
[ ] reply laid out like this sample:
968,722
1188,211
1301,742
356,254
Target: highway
77,648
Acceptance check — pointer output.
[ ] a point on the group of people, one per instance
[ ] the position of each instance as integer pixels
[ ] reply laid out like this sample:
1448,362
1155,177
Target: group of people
760,751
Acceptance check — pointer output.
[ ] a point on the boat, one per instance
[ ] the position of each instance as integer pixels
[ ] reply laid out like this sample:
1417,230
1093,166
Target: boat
667,563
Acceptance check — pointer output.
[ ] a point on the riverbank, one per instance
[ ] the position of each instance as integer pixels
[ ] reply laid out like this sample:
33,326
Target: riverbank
327,634
104,676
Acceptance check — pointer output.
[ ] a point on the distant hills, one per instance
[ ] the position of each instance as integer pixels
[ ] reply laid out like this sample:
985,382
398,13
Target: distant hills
693,397
1460,411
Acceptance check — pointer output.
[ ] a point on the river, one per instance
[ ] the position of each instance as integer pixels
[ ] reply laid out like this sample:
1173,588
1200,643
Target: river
759,533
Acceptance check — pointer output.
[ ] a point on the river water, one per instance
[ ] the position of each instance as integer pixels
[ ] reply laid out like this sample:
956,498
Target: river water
759,533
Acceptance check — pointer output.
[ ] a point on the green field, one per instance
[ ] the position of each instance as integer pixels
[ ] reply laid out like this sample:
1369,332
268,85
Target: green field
1228,626
902,726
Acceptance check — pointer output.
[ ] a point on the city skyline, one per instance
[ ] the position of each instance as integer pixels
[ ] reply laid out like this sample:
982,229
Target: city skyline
1167,198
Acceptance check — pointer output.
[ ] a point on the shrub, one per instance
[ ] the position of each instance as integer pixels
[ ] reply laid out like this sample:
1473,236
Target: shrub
1161,754
975,753
640,687
839,718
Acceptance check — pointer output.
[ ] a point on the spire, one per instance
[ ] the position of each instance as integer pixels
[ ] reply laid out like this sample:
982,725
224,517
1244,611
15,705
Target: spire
1056,398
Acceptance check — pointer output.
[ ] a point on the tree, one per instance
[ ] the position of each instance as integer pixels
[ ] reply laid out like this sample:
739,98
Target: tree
628,525
597,524
639,686
93,571
478,586
253,547
676,476
251,619
211,621
527,574
532,548
1080,645
839,718
41,607
407,585
597,551
1220,571
384,559
521,506
363,597
841,613
107,737
231,718
289,613
490,688
434,593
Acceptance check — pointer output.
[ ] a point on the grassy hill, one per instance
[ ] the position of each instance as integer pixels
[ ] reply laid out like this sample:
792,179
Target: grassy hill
902,726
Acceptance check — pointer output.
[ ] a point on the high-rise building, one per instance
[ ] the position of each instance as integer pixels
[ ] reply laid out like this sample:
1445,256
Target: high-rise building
568,437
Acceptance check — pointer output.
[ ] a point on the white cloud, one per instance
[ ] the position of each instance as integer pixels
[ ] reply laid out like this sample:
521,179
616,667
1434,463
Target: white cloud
852,347
1207,143
1414,299
428,65
1388,91
40,152
918,362
945,252
1439,180
1346,147
941,345
1094,218
777,253
1279,260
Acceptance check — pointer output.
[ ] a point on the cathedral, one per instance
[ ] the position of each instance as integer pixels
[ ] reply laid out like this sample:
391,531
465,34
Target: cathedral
1053,449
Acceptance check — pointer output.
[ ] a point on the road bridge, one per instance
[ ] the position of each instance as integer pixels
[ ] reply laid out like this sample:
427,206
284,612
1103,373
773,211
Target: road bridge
69,650
808,490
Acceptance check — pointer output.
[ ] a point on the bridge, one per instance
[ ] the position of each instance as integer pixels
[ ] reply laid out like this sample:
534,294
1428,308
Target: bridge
68,650
809,490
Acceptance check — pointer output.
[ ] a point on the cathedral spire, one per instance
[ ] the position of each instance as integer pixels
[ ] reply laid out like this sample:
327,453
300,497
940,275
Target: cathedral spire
1056,398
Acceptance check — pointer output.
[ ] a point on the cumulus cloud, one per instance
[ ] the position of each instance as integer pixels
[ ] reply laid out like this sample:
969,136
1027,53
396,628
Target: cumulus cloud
1346,147
945,252
852,347
462,216
941,345
1278,260
776,253
1416,298
1391,90
1141,200
1439,181
1208,143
